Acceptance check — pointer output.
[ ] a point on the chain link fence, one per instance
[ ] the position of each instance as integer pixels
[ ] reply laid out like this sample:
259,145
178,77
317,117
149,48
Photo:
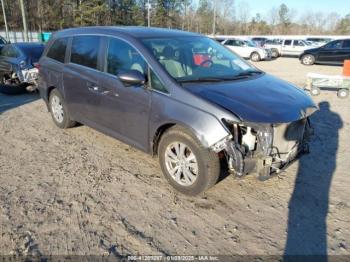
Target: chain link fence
19,36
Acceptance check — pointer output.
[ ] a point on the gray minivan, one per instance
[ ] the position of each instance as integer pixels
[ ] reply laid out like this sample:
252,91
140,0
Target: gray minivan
178,95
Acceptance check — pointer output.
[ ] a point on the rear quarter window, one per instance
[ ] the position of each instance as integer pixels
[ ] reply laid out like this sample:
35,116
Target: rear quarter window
57,50
84,50
346,44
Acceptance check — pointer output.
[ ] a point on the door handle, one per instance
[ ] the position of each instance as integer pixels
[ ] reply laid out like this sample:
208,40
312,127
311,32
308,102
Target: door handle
95,89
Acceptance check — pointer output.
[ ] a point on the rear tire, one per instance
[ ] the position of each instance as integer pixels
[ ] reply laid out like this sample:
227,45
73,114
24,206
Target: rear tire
203,164
308,60
58,110
343,93
255,57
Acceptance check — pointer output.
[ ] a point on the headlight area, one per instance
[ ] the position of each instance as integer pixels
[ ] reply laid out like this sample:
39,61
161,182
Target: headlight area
248,148
263,148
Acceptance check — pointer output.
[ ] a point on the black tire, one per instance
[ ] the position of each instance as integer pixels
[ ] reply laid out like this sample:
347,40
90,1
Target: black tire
208,161
308,60
315,91
275,53
66,122
13,89
343,93
255,57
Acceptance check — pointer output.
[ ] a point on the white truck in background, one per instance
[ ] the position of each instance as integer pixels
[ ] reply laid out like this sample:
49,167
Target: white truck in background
288,47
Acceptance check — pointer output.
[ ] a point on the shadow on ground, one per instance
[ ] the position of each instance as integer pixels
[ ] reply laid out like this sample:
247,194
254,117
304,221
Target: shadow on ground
308,206
8,102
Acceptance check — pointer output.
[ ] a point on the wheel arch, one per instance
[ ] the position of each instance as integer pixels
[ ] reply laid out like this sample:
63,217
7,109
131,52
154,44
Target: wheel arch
157,136
48,92
199,135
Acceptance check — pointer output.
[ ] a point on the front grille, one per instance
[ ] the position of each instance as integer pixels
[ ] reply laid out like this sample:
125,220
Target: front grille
287,138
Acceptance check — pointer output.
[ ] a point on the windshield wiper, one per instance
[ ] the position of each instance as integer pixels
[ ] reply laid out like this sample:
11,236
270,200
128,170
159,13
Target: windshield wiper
220,79
202,79
249,73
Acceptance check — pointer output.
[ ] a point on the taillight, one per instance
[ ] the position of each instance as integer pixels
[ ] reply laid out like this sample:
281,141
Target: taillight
37,66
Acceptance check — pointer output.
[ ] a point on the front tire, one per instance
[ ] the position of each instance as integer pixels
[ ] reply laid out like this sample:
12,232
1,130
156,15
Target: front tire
188,166
275,53
58,110
308,60
315,91
255,57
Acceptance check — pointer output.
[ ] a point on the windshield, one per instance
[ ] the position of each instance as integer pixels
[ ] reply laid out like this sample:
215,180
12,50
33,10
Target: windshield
197,58
250,43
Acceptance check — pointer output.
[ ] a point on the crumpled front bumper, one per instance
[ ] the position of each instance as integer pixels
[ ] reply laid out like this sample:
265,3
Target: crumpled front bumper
288,142
28,75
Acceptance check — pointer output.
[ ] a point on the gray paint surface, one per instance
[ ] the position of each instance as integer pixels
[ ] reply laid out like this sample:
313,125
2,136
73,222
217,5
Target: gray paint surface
136,113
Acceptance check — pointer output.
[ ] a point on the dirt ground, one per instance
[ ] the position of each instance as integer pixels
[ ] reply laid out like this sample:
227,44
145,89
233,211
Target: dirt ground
79,192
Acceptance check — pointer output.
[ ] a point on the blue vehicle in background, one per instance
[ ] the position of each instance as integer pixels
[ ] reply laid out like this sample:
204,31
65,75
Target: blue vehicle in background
17,66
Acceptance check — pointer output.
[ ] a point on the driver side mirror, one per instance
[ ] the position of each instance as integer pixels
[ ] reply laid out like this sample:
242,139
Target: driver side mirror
132,77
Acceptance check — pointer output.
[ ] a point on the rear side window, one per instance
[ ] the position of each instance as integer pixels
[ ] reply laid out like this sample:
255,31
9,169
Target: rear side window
346,44
287,42
9,51
334,45
58,50
84,50
298,43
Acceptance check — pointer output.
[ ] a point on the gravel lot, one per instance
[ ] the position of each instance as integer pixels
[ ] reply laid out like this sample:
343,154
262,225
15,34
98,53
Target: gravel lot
79,192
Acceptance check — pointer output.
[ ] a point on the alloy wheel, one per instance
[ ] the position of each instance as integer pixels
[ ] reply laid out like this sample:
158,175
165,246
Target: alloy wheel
57,109
181,163
255,57
308,60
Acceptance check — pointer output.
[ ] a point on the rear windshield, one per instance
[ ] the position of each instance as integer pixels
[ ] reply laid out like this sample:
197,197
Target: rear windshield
34,52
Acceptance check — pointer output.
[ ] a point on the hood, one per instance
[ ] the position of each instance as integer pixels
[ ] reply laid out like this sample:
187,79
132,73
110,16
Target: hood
262,99
313,49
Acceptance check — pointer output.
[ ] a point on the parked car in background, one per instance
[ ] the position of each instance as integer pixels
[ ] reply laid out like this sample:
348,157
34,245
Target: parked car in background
318,41
259,41
274,46
247,49
335,52
17,66
289,47
178,95
3,41
219,39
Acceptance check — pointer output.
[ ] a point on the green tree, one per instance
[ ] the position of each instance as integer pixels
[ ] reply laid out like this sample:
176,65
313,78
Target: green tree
90,12
205,16
284,18
343,26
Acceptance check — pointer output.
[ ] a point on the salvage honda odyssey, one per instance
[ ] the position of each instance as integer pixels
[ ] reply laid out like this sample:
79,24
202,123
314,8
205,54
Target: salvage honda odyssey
181,96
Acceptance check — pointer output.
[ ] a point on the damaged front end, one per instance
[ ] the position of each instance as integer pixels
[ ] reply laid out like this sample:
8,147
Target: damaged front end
263,148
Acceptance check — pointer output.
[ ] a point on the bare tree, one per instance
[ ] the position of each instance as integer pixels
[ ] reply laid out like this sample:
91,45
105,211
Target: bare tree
243,15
